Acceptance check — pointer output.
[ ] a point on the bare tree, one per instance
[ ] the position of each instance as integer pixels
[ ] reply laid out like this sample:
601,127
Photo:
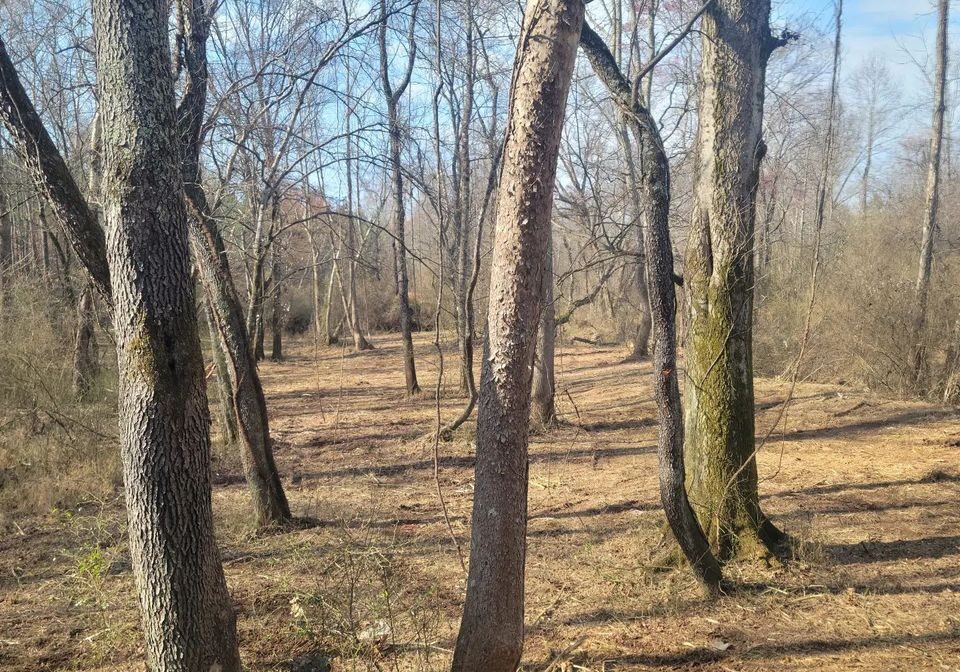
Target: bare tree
929,227
719,280
393,95
491,632
188,618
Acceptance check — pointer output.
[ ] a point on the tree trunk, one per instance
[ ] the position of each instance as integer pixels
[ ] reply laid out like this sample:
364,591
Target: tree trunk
658,252
256,448
932,204
6,246
544,412
276,314
228,411
722,478
187,614
393,97
84,349
491,632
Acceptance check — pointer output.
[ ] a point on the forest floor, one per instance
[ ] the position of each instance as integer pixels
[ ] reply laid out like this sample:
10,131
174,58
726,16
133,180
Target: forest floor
872,485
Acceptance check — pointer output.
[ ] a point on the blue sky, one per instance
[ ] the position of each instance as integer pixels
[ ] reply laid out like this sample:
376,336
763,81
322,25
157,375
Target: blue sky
890,28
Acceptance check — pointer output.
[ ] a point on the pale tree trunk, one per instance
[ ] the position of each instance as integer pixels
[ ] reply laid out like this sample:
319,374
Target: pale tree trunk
84,348
462,213
228,411
276,314
491,632
188,618
718,279
392,96
6,246
352,305
544,411
932,203
654,185
640,348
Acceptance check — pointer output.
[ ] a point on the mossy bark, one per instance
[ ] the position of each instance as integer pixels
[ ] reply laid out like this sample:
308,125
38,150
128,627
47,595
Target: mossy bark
719,278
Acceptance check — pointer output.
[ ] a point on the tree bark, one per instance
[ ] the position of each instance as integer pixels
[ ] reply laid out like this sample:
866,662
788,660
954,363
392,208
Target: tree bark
256,448
654,184
228,410
188,618
929,227
491,632
718,278
544,412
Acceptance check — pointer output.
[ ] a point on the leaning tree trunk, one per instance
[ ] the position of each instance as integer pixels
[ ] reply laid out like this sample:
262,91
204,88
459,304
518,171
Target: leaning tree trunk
84,354
720,448
932,204
250,407
491,632
228,411
188,618
654,185
544,411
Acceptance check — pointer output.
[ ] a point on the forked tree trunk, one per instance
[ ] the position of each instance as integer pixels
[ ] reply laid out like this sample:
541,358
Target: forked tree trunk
491,632
84,351
722,475
932,202
544,411
187,614
654,185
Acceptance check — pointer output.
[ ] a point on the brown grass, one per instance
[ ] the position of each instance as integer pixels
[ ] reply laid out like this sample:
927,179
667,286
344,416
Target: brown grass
872,485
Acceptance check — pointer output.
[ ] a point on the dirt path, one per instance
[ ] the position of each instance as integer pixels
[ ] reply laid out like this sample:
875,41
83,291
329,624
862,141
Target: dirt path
871,484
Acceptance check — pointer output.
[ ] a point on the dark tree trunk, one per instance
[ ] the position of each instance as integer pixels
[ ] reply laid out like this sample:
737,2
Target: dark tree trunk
491,632
654,184
719,281
188,618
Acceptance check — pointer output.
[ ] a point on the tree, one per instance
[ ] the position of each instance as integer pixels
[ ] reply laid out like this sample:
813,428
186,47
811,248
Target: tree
719,280
544,378
654,186
491,632
188,619
393,94
929,226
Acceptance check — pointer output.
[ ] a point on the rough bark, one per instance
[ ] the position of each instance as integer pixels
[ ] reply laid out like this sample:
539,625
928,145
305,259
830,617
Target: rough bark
719,279
491,632
392,95
544,410
654,185
51,175
256,448
929,226
188,618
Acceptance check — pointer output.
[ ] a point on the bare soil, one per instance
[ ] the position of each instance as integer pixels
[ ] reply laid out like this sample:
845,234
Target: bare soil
871,485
